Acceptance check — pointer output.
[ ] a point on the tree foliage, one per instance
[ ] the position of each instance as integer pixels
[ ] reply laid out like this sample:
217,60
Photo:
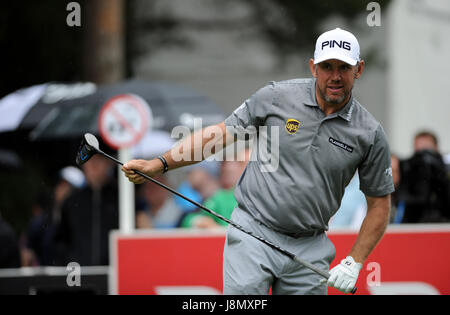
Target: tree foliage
38,46
289,25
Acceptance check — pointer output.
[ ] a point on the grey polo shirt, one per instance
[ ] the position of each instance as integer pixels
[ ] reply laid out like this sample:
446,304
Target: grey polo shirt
318,157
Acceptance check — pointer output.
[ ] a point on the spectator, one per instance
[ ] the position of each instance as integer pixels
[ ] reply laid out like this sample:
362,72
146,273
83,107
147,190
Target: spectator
426,140
9,246
157,208
186,189
46,216
397,200
37,248
223,201
447,164
88,216
395,163
70,178
199,186
426,183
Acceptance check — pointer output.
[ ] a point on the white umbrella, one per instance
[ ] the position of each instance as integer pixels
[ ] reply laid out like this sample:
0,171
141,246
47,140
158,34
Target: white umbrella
25,108
14,106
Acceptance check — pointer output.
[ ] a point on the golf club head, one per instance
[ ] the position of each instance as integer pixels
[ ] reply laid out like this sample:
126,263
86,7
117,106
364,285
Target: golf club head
88,148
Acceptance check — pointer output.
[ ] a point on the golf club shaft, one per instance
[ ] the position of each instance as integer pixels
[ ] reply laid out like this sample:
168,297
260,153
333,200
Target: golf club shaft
306,264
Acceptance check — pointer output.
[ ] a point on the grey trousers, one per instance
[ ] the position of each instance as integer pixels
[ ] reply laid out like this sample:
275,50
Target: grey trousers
251,267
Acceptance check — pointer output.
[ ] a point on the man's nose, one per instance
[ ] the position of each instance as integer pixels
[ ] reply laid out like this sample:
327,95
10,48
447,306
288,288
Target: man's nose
336,75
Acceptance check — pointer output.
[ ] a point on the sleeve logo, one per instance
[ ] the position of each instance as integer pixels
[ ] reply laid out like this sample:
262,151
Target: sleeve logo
388,172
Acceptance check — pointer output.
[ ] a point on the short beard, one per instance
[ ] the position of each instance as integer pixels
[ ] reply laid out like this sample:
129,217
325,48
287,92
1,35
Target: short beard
332,101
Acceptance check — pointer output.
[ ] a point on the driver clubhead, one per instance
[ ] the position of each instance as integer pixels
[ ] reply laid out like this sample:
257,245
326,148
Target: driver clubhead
88,148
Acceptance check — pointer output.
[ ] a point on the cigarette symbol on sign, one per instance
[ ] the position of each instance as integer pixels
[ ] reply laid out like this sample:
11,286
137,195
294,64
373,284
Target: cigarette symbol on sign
124,120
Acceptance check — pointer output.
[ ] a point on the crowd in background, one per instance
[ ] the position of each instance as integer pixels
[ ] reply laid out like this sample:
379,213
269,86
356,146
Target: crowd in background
422,188
73,222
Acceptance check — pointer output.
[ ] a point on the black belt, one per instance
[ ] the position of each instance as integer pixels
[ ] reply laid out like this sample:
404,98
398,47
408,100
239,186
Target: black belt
294,235
297,234
303,233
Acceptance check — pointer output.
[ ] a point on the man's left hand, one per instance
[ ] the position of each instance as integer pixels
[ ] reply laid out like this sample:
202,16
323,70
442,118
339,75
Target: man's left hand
343,277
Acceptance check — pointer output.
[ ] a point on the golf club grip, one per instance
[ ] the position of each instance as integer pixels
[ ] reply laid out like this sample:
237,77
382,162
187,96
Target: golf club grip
306,264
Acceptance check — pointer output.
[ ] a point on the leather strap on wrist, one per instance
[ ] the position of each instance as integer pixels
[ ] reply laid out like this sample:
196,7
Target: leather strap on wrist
165,165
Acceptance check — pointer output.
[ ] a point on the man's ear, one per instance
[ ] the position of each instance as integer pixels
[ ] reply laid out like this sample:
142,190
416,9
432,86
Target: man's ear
360,69
312,67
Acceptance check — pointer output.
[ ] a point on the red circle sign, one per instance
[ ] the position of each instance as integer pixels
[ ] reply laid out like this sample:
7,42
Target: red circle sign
124,120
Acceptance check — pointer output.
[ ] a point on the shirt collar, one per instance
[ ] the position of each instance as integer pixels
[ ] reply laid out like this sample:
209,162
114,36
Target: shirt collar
345,112
310,99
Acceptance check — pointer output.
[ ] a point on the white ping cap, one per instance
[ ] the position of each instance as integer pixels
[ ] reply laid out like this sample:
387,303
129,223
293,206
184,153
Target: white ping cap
337,44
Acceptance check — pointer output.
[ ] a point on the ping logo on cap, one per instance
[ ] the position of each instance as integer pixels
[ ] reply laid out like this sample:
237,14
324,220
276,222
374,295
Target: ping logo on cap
292,126
337,44
334,43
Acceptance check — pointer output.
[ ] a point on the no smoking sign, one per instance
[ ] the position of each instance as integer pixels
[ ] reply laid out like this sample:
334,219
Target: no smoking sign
124,120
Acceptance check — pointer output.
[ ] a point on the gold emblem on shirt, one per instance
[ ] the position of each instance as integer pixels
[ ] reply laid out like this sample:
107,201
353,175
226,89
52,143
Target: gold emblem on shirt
292,126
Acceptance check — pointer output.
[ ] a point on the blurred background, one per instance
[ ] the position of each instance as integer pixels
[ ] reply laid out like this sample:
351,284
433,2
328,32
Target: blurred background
63,60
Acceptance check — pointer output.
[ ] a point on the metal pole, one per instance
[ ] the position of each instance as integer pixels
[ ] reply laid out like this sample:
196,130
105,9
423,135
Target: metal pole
126,198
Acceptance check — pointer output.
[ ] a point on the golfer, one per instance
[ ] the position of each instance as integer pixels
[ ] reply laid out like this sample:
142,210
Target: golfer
324,137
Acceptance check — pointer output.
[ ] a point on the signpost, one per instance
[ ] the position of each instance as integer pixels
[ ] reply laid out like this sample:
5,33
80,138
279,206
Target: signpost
123,121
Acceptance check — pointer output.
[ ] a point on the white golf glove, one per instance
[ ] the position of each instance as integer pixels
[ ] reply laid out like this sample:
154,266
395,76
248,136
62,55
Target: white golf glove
343,277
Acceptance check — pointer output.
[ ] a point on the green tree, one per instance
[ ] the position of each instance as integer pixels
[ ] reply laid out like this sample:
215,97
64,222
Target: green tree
290,25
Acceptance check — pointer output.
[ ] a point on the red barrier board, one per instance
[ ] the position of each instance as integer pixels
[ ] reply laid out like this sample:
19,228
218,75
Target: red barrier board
408,260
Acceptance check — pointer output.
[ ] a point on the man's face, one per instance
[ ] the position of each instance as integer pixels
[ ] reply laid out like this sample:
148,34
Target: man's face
425,143
335,80
97,171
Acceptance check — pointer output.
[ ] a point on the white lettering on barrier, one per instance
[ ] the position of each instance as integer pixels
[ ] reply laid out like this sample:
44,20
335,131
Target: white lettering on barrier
186,290
403,288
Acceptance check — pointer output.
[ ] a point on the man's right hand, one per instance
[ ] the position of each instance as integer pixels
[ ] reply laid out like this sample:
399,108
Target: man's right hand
213,135
151,168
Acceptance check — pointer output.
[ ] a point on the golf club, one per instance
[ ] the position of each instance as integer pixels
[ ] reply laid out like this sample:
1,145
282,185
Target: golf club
90,146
